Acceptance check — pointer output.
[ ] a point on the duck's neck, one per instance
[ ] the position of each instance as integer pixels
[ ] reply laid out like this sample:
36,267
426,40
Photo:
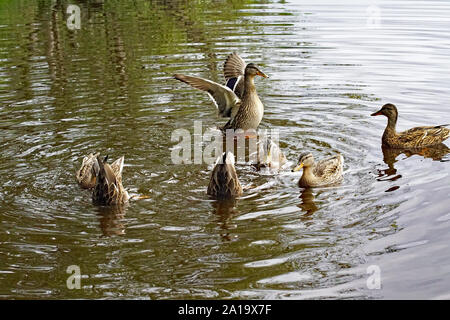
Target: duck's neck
390,128
249,85
308,176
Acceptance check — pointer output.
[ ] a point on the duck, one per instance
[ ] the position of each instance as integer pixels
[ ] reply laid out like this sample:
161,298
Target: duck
238,99
322,173
224,182
270,155
108,188
86,175
417,137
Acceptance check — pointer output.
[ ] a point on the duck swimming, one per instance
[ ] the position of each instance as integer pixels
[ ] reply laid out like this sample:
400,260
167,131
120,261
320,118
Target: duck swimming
417,137
322,173
238,99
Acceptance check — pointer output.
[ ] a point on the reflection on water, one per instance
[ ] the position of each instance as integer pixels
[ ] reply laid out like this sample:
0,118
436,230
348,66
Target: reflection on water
108,87
437,153
111,219
308,203
225,210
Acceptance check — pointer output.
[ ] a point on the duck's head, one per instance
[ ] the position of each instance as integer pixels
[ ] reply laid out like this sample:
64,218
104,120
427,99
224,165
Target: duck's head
305,160
253,70
388,110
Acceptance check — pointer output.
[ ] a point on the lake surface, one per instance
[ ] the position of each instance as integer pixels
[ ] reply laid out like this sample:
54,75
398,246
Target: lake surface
108,87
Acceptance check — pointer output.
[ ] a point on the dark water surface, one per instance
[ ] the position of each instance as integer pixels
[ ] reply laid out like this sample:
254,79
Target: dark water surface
108,87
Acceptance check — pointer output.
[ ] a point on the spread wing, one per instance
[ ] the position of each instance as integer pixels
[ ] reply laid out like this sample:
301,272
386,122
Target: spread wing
234,66
233,70
424,136
224,98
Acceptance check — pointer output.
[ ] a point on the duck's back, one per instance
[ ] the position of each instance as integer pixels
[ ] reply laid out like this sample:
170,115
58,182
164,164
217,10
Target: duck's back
109,189
419,137
330,169
224,183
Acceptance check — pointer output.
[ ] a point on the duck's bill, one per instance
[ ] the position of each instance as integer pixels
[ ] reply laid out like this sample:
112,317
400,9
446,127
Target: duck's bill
298,167
262,74
378,113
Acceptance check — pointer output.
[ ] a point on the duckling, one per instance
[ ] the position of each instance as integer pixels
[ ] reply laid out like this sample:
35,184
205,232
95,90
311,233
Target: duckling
413,138
108,188
325,172
270,155
224,182
86,175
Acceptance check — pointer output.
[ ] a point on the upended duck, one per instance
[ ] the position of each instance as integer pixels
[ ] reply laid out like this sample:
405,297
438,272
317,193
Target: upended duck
238,99
108,187
418,137
270,155
86,175
224,182
322,173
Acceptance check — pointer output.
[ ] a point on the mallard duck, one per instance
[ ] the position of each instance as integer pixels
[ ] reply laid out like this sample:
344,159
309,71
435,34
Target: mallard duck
86,175
325,172
270,155
108,187
413,138
242,105
224,182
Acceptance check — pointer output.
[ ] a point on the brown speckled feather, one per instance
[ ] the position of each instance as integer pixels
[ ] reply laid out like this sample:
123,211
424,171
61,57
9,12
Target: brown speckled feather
224,182
413,138
108,188
325,172
234,66
246,112
86,175
330,167
225,100
251,110
416,137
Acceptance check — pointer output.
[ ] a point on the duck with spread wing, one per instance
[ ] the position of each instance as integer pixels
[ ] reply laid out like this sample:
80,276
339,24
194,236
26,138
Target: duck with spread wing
237,99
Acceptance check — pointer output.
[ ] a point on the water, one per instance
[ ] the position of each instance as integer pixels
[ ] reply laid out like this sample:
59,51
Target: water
108,87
